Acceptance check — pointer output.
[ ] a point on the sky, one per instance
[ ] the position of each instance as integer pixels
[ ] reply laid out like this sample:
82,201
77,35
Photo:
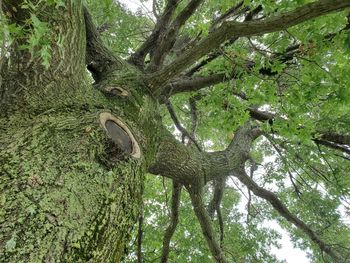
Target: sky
287,251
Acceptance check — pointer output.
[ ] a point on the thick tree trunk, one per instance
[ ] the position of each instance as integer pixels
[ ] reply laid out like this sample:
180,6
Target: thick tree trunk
68,191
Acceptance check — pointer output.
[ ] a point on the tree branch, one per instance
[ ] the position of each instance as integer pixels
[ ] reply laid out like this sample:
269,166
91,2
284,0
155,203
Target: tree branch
139,56
167,42
193,84
174,219
214,203
207,229
178,124
336,137
284,212
99,58
250,28
326,138
191,167
229,13
213,55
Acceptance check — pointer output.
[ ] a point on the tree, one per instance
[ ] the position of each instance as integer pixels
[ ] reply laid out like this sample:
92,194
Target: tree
240,80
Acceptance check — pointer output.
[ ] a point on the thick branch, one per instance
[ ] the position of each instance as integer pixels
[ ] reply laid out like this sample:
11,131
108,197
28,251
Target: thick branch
333,146
193,84
191,167
174,219
250,28
283,211
336,138
214,205
207,229
167,42
99,58
139,56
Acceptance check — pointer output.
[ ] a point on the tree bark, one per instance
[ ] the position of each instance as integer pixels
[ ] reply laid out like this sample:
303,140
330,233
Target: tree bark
68,191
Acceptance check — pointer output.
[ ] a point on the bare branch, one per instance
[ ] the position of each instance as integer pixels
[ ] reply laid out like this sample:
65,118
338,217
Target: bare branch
291,178
284,212
250,28
174,219
207,229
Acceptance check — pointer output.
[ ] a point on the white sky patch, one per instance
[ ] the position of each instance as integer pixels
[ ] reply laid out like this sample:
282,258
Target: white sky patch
287,251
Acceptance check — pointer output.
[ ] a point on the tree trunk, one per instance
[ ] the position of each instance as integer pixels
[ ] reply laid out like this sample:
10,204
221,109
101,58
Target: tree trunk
69,191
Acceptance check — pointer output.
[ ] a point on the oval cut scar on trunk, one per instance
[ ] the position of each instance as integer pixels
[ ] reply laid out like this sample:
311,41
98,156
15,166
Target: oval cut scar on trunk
118,91
120,134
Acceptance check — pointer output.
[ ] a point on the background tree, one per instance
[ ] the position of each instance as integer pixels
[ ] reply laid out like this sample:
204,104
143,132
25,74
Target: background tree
227,100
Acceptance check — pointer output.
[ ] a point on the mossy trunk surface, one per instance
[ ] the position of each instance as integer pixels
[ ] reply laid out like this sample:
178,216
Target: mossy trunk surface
65,195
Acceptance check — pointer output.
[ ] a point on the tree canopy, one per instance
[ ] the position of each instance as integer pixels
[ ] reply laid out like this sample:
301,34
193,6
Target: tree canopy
253,98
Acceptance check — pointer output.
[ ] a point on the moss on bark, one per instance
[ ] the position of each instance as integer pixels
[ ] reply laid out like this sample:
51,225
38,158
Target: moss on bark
64,199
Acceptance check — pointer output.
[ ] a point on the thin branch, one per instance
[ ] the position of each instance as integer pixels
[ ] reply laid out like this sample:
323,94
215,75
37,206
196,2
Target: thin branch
253,168
139,239
213,55
155,9
229,13
329,139
221,226
178,124
194,115
291,178
250,28
174,219
207,229
284,212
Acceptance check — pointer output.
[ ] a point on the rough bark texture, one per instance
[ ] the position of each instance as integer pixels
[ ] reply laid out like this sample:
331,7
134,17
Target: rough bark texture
65,195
